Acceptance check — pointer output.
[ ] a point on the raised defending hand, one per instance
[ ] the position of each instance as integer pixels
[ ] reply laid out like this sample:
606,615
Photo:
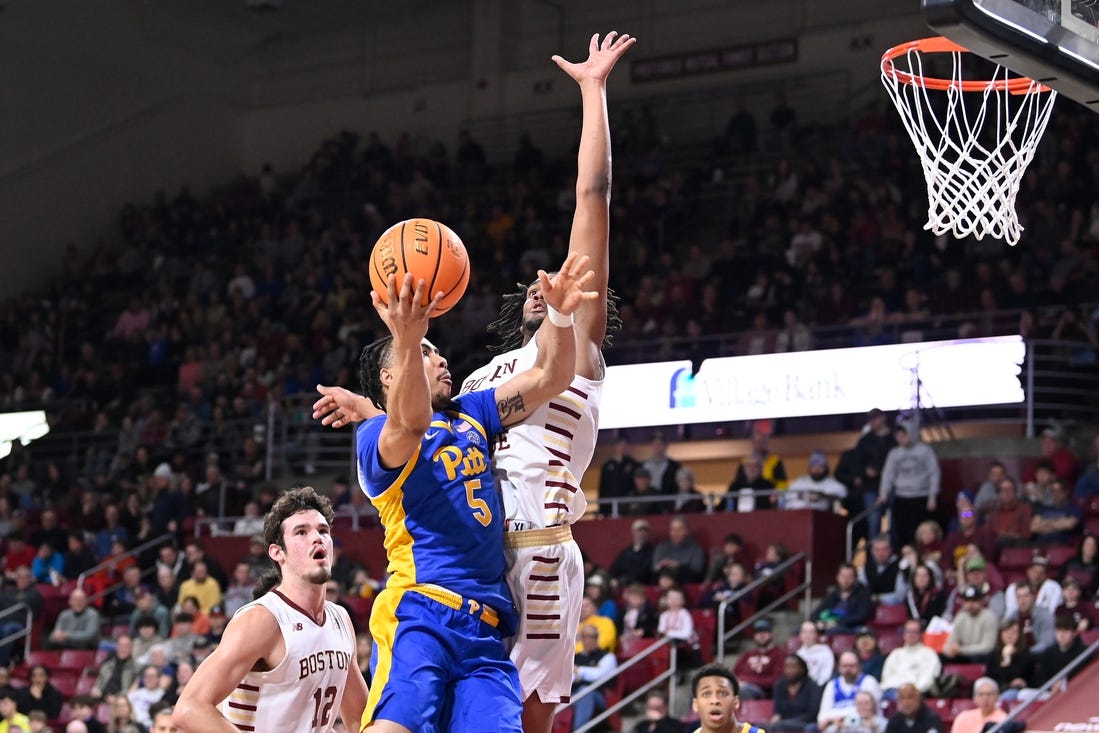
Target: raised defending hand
564,292
601,57
405,317
338,407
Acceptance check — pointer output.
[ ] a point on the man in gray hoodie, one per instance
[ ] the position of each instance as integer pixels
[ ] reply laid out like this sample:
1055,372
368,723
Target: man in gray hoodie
911,478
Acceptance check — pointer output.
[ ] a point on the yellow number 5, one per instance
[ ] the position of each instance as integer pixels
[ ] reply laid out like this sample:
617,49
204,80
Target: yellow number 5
481,512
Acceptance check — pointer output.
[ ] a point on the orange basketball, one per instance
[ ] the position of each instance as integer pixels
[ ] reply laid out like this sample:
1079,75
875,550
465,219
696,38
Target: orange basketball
427,249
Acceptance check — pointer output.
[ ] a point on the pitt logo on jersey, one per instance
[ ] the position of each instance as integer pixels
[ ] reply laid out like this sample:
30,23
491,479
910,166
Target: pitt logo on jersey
471,463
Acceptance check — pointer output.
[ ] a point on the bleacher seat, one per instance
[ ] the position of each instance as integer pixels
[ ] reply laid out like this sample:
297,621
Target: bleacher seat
648,668
960,705
889,616
793,644
943,707
841,643
1090,636
757,712
889,640
48,657
1091,525
65,682
562,722
1015,558
361,607
1058,556
968,673
79,659
1091,506
705,620
85,684
693,592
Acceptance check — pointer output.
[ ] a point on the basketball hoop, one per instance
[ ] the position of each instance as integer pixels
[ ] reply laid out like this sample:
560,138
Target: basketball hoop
973,157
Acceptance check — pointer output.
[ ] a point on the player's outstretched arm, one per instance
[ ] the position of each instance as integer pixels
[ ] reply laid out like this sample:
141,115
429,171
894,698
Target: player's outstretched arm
251,636
554,367
408,395
590,224
338,407
354,692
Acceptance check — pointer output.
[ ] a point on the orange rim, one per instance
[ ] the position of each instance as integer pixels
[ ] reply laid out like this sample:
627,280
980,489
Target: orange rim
939,44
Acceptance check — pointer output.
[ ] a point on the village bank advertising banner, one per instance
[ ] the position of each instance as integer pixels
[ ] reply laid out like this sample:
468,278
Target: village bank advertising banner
959,373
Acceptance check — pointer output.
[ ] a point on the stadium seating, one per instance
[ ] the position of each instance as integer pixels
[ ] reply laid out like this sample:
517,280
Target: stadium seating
757,712
889,617
841,643
705,621
967,673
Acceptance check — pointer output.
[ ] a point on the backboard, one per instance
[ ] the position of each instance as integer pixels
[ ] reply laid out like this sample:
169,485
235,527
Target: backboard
1053,41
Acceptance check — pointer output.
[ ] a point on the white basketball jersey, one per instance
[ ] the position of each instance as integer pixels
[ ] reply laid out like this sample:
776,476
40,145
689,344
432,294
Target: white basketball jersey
304,691
539,463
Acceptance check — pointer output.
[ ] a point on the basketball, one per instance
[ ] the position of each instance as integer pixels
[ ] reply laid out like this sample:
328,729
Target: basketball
430,251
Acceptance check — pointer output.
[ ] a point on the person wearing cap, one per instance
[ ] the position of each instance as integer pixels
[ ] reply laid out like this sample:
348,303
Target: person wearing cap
1084,613
1055,450
146,604
1047,593
1059,521
634,563
869,459
732,550
975,629
759,667
909,484
595,588
816,489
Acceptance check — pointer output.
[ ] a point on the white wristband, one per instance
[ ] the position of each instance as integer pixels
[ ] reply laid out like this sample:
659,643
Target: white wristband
559,319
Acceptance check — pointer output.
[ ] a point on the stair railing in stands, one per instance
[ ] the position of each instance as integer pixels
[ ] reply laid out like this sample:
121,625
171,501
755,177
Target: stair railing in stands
778,573
1084,657
24,633
851,530
664,676
155,542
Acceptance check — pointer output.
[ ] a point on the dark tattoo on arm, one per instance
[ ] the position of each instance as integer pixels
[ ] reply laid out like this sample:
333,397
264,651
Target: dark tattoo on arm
510,406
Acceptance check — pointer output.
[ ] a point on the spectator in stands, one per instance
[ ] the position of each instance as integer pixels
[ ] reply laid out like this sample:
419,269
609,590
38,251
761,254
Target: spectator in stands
869,653
969,532
732,550
759,667
1036,621
748,479
1056,656
643,487
240,587
1011,664
592,664
688,499
815,490
975,571
1039,491
49,531
640,617
201,587
924,597
257,558
837,701
819,658
912,715
677,624
147,637
22,590
118,671
251,522
988,493
10,717
40,694
974,631
166,588
19,554
881,573
914,662
729,587
986,693
847,606
616,474
1047,593
1084,613
112,530
78,558
1055,450
1087,485
929,545
83,712
147,604
1010,520
1058,521
870,453
5,681
595,588
680,553
77,626
1084,565
193,553
656,718
909,484
771,466
608,632
661,468
797,697
145,692
122,717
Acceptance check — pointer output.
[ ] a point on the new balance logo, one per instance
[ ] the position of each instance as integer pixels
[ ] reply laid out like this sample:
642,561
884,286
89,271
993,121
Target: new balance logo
298,627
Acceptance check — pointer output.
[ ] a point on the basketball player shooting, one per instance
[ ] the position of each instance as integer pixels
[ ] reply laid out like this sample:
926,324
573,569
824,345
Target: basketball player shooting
539,463
286,660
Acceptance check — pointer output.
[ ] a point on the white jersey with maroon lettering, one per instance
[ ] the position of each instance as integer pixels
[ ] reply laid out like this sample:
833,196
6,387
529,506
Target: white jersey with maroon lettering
304,691
539,463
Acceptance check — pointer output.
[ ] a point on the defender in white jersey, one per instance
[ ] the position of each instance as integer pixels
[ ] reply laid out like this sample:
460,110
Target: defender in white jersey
540,462
287,660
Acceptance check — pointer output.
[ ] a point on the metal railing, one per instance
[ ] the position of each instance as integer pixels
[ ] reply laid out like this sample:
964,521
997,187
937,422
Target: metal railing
778,574
155,542
714,502
1084,657
642,690
850,531
361,516
24,633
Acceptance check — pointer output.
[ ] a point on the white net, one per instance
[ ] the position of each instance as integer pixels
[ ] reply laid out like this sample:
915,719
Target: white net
974,138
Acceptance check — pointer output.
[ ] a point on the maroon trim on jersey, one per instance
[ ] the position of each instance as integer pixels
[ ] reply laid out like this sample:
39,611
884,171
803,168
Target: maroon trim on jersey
543,636
248,688
543,597
544,616
566,698
562,485
242,706
543,577
575,391
559,431
557,505
242,726
567,410
539,558
302,611
559,453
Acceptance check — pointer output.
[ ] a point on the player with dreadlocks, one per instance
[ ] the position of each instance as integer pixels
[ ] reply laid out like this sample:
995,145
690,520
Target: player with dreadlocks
539,462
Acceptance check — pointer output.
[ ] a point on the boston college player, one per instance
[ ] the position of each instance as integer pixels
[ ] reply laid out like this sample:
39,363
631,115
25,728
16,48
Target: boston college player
286,660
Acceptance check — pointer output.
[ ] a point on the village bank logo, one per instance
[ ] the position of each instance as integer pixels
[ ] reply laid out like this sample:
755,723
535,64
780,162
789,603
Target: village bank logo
714,388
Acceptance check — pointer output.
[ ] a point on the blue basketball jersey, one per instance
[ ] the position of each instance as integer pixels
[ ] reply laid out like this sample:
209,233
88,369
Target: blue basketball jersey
441,512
